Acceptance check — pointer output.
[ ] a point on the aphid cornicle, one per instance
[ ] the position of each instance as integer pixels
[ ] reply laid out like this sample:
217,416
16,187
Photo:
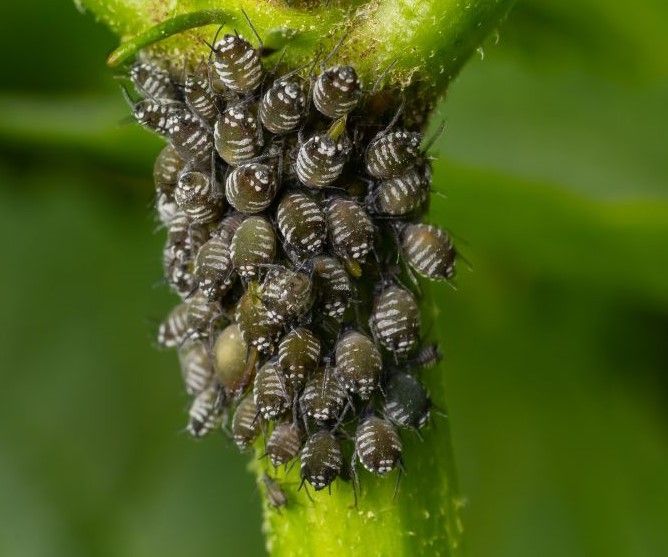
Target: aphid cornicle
333,286
321,459
168,165
213,268
250,187
195,195
429,251
337,91
298,355
174,329
206,411
282,106
358,363
321,158
323,397
191,137
256,327
395,319
153,82
377,445
230,355
286,294
200,99
404,194
237,134
390,154
201,314
284,443
351,230
196,367
302,224
246,423
271,391
253,246
407,403
237,64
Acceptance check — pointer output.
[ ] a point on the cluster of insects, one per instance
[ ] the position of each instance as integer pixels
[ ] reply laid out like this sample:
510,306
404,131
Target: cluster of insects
293,239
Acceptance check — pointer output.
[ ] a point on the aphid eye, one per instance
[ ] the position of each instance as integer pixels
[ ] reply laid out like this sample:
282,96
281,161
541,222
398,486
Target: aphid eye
395,319
337,91
237,64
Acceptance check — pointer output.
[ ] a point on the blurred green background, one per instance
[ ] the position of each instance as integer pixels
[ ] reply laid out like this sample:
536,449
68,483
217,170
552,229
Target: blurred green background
555,169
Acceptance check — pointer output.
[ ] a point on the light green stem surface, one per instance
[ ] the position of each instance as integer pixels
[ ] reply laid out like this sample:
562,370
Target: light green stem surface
424,43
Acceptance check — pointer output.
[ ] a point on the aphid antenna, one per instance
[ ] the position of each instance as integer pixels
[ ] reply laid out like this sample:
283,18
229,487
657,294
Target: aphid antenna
334,50
435,137
303,484
250,24
381,78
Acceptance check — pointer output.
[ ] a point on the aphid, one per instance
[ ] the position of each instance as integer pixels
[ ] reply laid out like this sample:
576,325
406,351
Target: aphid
276,497
250,188
358,363
199,98
157,117
321,460
237,64
206,411
166,208
321,158
390,154
377,445
302,224
182,244
284,443
271,392
237,135
230,353
228,226
286,294
213,268
196,367
332,285
350,229
253,245
282,106
298,355
323,397
256,327
191,137
395,319
337,91
407,403
166,169
202,312
245,423
174,329
402,195
429,251
153,82
195,195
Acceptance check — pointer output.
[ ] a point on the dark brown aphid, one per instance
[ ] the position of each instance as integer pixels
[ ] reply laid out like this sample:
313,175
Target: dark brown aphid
332,285
391,154
237,64
246,423
230,353
191,137
168,165
358,363
395,319
337,91
323,397
377,445
284,443
237,134
200,99
173,331
213,268
153,82
196,367
302,224
404,194
201,314
351,230
196,197
321,460
407,403
250,188
298,355
253,246
256,327
157,117
206,411
271,392
321,158
286,294
183,241
276,497
282,106
429,251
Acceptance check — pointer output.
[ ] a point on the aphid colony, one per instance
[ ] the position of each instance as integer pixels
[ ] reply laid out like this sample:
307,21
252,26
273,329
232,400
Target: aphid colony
286,207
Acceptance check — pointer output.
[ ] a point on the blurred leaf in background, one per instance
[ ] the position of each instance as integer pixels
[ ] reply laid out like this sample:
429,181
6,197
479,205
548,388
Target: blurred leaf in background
555,174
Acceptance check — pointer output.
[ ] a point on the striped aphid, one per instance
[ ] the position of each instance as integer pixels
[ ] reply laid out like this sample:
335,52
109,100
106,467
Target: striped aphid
237,64
213,268
173,331
321,460
351,230
286,294
271,391
284,443
406,403
256,327
395,319
333,286
337,91
282,106
206,412
391,153
358,363
200,99
196,367
246,423
196,196
377,446
299,355
402,195
253,246
302,224
153,82
428,250
323,397
250,188
321,158
237,134
191,137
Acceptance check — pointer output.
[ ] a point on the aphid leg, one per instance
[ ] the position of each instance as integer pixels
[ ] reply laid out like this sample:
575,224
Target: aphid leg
400,471
303,484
